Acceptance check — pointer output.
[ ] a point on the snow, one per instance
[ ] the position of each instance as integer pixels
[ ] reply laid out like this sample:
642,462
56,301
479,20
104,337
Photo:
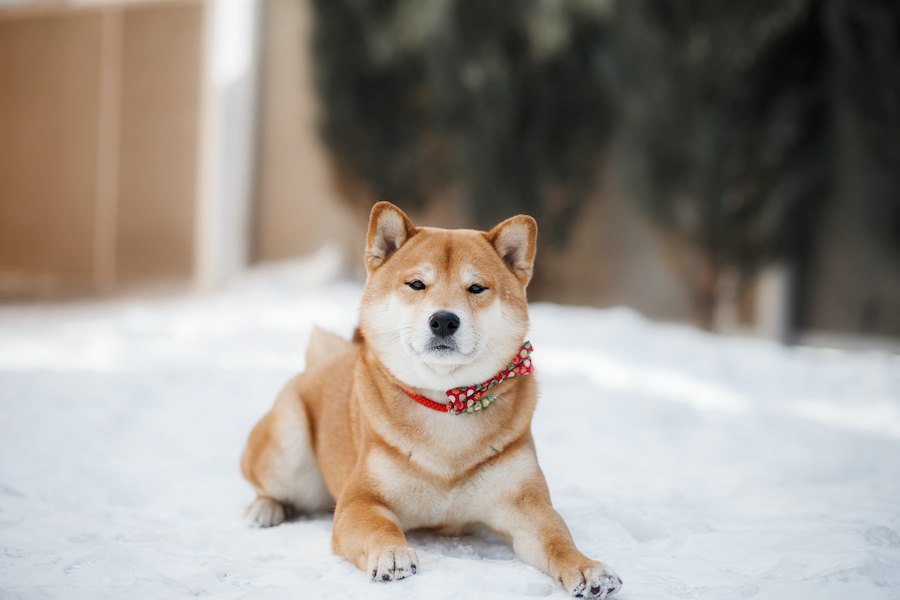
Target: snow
697,466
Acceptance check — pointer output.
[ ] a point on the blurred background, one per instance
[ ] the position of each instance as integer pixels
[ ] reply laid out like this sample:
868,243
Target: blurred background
735,165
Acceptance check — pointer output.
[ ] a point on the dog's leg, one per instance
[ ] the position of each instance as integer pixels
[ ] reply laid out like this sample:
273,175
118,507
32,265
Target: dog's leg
279,461
366,533
540,538
520,509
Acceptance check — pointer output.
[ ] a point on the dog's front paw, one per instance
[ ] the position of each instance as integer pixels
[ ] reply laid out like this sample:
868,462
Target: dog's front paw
593,580
393,563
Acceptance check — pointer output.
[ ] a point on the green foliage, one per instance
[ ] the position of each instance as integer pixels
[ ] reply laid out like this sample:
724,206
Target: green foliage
723,128
865,42
372,84
506,101
721,113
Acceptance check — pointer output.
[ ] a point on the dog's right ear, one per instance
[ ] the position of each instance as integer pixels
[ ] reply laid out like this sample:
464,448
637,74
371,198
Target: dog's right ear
389,228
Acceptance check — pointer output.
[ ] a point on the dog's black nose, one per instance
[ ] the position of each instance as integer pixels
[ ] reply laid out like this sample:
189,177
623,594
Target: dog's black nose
443,323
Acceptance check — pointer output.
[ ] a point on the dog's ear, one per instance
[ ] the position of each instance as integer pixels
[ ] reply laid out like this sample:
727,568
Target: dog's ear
515,240
389,228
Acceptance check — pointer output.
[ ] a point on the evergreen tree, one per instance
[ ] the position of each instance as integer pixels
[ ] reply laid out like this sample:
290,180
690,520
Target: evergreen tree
722,112
371,77
506,101
724,107
864,37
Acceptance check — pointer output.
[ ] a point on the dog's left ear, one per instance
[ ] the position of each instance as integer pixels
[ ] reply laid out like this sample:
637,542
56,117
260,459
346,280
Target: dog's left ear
515,240
389,228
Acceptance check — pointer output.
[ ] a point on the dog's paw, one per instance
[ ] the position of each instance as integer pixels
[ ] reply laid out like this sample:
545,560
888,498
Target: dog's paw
394,563
595,580
264,512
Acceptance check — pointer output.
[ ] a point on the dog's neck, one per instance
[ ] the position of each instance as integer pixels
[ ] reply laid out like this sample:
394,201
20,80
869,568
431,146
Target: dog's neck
432,393
468,398
438,443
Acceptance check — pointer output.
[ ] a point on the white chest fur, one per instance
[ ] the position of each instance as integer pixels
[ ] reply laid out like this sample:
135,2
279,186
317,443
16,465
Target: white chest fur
422,501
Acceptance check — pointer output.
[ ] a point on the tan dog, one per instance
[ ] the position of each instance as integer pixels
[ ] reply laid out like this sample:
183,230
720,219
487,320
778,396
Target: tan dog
442,309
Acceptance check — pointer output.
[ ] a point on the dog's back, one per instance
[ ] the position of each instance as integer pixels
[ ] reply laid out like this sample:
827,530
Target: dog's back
323,346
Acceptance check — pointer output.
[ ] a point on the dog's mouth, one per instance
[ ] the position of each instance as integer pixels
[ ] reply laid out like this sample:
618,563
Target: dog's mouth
439,351
443,351
442,348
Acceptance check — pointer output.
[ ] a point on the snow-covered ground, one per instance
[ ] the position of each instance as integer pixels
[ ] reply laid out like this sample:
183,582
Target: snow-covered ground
697,466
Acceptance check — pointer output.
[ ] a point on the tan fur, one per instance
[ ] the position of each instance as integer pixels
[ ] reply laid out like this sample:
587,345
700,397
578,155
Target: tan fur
323,346
393,465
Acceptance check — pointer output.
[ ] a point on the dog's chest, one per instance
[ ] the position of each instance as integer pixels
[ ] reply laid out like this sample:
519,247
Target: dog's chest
425,498
417,497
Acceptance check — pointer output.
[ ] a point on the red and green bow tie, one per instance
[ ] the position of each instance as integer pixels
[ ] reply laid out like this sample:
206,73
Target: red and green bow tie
475,397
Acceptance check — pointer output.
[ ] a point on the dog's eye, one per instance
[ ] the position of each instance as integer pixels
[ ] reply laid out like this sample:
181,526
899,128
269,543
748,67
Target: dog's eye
416,285
476,289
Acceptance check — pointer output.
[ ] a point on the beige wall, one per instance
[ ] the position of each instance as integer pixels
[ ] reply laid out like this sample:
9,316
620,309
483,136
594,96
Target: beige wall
49,125
98,145
161,54
101,121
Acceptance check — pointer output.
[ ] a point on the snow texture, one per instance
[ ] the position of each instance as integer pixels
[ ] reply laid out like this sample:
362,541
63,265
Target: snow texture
696,466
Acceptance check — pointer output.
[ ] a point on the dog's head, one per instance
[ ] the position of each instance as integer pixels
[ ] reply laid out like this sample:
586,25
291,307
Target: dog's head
444,308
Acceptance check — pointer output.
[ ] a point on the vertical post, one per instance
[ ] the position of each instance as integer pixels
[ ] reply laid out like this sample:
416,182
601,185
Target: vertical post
227,139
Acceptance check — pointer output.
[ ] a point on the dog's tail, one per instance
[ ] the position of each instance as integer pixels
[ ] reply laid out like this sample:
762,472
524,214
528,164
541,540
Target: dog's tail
324,345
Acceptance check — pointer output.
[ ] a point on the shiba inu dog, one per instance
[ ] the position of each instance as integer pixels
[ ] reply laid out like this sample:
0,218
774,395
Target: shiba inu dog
423,419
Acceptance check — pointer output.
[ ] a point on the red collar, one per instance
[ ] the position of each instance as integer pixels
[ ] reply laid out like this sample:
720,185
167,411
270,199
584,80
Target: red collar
472,398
